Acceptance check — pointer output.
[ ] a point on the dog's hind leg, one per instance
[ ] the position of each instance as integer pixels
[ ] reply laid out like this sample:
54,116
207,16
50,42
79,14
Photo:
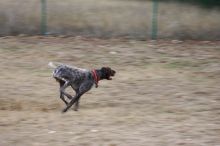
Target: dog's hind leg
74,99
62,92
63,85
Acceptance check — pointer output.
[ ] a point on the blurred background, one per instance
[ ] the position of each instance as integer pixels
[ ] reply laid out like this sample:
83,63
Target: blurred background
139,19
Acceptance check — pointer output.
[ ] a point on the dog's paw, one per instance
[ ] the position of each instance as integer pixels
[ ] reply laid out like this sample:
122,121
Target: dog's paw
64,110
76,109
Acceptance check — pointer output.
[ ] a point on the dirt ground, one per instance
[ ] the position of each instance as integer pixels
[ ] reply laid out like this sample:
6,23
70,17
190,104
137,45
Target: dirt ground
165,93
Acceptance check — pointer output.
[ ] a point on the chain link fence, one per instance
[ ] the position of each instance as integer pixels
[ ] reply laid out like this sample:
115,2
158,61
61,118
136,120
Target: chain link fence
138,19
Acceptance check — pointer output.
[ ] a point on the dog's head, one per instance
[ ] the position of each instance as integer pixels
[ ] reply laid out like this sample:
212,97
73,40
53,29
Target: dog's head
107,73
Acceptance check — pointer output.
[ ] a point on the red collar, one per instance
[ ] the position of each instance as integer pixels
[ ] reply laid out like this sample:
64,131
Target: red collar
96,77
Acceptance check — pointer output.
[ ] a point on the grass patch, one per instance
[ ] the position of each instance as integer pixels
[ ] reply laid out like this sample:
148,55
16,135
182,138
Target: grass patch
181,64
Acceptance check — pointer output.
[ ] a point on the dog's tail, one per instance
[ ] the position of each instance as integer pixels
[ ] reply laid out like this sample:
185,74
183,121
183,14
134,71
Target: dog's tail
54,64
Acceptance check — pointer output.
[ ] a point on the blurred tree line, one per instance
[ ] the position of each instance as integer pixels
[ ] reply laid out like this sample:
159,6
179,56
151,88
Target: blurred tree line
203,3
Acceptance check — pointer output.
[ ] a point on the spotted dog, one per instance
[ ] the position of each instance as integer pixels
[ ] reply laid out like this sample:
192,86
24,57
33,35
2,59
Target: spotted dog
81,81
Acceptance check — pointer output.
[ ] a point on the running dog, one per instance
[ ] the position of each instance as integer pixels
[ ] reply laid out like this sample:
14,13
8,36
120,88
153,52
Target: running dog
81,81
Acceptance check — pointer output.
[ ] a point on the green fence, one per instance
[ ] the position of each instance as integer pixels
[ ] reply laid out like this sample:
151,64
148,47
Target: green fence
203,3
154,26
137,19
43,17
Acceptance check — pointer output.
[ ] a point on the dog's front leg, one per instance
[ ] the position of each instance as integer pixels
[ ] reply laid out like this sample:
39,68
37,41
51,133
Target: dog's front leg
84,87
73,100
76,107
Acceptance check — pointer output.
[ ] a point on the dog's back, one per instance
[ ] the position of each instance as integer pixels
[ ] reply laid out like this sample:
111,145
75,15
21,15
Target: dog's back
69,73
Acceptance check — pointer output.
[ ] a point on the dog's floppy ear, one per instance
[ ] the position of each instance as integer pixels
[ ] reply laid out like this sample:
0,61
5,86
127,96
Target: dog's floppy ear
103,68
106,69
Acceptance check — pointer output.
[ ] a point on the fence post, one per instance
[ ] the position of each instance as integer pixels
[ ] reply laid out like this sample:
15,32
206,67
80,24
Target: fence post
43,17
154,26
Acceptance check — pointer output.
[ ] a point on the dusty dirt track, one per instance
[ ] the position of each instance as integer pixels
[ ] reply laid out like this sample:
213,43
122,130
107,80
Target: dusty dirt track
165,93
